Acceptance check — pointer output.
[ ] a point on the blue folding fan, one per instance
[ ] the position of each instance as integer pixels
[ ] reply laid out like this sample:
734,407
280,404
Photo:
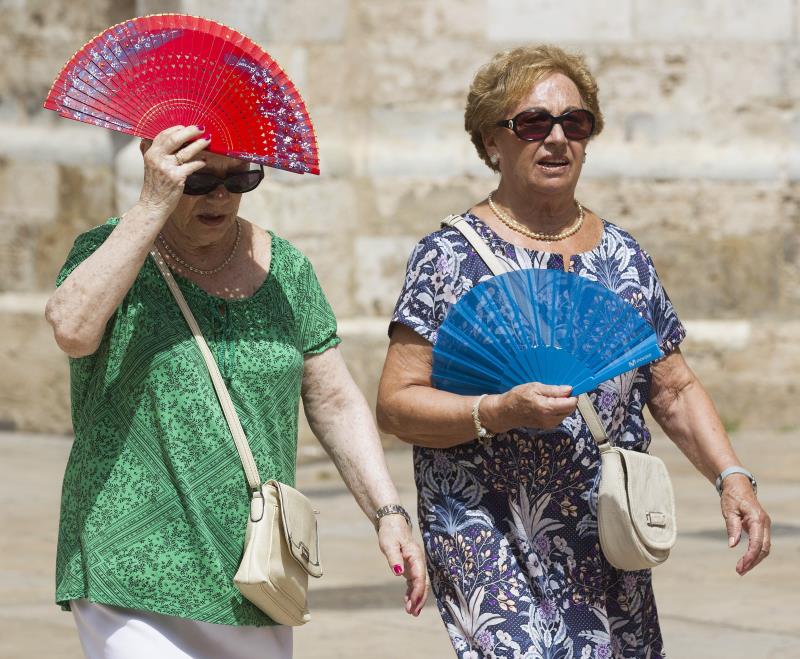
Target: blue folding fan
539,326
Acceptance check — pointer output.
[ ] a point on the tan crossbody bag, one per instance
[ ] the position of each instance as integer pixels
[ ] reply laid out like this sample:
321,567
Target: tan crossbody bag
635,502
281,545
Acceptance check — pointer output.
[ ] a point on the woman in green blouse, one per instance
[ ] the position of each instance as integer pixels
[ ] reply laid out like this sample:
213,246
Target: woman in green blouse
154,499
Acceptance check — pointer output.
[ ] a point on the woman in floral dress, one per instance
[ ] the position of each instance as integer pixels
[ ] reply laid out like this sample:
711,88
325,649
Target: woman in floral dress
508,483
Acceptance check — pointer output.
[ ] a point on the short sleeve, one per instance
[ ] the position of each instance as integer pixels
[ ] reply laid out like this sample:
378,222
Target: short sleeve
668,327
317,329
84,246
430,286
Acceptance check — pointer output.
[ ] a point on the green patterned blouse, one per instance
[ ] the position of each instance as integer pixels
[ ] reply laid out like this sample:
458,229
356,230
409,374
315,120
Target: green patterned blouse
155,502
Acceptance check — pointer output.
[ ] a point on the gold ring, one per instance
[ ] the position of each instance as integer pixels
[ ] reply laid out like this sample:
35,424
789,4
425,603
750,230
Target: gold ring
179,159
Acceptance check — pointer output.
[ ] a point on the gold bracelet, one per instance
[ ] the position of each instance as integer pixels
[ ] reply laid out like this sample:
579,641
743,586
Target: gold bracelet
480,431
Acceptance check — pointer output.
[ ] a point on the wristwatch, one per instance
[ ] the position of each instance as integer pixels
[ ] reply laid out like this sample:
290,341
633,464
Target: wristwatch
735,470
391,509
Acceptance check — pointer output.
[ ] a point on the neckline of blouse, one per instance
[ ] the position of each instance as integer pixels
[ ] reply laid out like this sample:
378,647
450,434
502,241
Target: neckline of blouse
198,291
492,234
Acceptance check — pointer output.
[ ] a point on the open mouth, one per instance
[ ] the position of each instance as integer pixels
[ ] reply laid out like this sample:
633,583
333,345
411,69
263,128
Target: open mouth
553,164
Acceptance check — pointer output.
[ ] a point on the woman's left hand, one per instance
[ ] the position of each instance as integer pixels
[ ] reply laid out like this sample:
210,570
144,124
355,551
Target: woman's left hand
743,512
405,558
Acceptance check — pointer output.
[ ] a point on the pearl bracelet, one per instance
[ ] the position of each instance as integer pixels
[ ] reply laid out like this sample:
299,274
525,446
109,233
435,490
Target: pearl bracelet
480,431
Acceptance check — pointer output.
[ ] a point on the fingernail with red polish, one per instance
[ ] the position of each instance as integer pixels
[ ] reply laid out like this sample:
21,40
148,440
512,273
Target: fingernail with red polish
200,127
207,137
398,569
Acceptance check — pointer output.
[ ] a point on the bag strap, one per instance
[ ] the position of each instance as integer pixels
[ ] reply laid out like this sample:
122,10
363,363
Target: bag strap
239,438
478,244
589,415
494,264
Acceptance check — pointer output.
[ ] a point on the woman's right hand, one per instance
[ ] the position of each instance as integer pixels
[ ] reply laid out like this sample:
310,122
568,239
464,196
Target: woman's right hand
530,405
167,163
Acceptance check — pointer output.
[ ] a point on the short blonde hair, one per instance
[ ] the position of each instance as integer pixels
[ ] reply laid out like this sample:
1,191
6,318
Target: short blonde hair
504,81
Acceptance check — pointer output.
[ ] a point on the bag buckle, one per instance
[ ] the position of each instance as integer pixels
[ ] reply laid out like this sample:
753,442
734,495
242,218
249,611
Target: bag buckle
256,494
656,519
305,551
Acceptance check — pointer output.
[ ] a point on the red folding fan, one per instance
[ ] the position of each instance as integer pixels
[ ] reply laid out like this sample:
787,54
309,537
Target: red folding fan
151,72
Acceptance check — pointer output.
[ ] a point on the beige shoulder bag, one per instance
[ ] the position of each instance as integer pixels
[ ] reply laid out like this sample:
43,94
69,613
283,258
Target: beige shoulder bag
281,546
636,505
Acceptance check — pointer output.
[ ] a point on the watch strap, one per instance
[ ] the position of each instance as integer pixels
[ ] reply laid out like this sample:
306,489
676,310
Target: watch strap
735,470
391,509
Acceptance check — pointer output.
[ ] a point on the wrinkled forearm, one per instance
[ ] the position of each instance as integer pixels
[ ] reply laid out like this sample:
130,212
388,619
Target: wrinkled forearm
689,418
425,416
80,308
342,422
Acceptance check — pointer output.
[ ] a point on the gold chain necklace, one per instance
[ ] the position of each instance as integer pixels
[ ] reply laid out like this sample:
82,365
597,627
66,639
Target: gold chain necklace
204,273
514,225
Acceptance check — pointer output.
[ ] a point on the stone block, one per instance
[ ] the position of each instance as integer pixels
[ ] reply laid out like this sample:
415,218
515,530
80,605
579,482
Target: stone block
334,74
339,140
418,53
336,267
416,207
66,142
27,68
714,19
439,20
129,176
741,74
318,217
707,92
144,7
700,209
34,394
405,72
789,257
312,207
34,250
743,160
546,21
301,21
752,383
30,191
723,278
378,276
18,257
426,144
723,249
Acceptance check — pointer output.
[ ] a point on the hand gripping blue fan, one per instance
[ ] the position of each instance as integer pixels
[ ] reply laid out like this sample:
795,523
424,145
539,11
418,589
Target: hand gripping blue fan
539,326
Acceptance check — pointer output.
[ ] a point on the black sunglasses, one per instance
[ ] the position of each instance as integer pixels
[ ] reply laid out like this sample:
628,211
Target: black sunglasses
201,183
535,125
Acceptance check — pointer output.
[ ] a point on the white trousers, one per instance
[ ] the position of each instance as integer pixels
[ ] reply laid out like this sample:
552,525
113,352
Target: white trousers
110,632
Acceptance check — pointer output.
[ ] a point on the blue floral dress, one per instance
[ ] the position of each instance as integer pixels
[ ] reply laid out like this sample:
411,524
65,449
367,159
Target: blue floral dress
510,524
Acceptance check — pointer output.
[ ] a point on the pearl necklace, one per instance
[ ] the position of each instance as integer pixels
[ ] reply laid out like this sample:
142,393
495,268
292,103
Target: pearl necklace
204,273
514,225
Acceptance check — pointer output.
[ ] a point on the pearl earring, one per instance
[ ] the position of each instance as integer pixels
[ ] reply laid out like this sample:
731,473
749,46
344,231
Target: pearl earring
494,159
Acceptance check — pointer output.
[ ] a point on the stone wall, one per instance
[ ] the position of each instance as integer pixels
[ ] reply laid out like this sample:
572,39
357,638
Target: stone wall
700,159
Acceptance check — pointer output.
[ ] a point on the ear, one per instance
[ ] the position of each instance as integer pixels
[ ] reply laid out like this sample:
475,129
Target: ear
490,144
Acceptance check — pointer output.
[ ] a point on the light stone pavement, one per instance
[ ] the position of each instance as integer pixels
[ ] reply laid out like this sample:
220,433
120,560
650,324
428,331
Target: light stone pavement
707,611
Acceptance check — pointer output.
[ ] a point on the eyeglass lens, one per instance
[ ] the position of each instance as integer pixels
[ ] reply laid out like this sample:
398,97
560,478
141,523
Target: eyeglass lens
536,125
201,183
